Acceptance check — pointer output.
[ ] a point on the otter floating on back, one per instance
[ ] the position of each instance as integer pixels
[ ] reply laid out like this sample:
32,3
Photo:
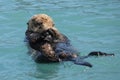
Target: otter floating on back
50,45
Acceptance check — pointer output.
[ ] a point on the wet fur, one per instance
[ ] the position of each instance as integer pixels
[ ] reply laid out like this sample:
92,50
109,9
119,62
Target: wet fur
43,37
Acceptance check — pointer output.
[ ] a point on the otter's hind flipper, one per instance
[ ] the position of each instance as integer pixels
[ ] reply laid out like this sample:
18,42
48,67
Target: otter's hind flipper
83,63
79,61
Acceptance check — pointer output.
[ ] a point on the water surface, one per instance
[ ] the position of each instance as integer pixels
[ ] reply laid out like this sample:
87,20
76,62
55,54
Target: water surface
91,25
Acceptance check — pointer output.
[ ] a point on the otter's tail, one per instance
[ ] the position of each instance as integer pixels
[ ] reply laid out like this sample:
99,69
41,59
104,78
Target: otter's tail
98,53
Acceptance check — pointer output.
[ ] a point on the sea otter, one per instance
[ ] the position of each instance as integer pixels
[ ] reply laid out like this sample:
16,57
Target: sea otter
50,44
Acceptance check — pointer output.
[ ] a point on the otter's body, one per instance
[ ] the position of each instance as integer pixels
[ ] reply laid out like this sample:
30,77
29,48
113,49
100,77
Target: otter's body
49,44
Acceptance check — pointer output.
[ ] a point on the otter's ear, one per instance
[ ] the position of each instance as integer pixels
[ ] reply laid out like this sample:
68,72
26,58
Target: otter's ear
27,23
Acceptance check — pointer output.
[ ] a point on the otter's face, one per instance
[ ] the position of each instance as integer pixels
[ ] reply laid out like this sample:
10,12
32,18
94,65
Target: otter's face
40,23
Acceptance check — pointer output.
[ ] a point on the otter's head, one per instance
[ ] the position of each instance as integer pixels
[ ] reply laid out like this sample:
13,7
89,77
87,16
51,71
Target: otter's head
39,23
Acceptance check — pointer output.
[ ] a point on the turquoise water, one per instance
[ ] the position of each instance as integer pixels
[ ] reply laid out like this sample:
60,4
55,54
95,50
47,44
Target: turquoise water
91,25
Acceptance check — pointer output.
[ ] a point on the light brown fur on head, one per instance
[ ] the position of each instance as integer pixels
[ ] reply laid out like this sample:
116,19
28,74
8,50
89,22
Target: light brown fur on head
40,22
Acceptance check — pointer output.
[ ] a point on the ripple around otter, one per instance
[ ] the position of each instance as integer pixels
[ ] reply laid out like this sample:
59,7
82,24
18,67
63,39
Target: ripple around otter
90,25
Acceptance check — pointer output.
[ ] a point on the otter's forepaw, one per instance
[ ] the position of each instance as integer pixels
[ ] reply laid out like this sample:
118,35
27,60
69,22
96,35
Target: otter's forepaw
34,36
